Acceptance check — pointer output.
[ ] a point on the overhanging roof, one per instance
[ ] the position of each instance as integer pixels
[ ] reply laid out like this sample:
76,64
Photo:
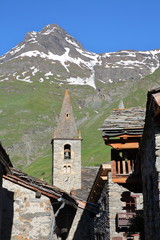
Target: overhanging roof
124,121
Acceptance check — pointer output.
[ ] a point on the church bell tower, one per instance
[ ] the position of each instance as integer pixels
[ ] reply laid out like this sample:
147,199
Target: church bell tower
66,150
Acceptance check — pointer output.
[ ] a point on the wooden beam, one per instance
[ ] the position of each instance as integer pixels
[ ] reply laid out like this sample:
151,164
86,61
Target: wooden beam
123,142
126,179
104,178
113,168
125,136
124,146
123,167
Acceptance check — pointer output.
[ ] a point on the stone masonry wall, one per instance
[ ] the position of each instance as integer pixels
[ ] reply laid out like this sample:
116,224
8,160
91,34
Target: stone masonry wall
101,220
24,215
82,227
1,173
117,205
150,151
67,172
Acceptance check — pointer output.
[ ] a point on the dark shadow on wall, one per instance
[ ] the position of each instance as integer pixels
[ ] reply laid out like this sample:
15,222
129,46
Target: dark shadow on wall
7,214
64,216
94,225
85,228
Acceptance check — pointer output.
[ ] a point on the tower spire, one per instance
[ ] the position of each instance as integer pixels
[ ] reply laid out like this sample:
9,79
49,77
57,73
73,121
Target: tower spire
66,127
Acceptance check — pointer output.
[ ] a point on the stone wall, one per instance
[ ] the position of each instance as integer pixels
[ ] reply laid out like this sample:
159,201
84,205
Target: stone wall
101,220
118,205
82,227
24,215
67,172
150,152
1,173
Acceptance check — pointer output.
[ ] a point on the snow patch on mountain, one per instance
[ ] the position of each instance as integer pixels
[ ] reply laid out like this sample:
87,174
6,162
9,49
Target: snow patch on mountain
48,74
4,79
49,30
35,70
155,57
32,37
110,81
82,81
27,79
24,73
63,59
16,49
71,42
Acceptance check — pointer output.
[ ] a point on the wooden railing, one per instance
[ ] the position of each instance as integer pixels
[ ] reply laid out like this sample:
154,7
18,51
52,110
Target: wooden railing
122,167
125,168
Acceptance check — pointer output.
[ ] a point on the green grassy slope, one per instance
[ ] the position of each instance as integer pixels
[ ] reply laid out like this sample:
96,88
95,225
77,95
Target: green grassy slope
29,113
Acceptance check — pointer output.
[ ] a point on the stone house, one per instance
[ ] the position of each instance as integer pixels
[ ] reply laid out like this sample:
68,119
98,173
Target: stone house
31,209
118,186
150,155
5,165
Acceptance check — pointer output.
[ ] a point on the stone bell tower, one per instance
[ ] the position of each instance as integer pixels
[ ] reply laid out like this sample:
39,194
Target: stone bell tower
66,150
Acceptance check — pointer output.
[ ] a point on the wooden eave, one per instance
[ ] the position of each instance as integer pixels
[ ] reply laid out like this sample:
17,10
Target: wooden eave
49,191
101,178
124,141
127,179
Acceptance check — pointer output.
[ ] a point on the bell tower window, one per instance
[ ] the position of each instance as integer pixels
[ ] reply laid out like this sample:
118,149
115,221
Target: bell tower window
67,116
67,151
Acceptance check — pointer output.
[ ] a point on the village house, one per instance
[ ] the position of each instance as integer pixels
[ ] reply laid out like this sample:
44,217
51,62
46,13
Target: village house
118,186
150,155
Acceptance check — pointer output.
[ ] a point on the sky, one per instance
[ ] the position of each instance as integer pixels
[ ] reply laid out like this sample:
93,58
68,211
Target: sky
99,25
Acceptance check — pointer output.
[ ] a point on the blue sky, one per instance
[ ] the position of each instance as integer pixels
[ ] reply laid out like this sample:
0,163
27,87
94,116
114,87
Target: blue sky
99,25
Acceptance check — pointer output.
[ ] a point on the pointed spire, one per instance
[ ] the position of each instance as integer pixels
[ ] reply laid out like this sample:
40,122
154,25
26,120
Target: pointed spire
66,128
121,105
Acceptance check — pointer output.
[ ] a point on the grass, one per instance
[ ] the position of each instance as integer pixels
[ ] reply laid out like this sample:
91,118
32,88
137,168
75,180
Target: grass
29,113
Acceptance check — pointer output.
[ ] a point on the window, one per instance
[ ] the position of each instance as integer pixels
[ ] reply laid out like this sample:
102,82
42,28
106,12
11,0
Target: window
67,116
131,204
130,201
67,151
67,169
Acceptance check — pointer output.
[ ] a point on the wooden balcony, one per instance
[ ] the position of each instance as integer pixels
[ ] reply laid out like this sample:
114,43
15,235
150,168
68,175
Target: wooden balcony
125,171
125,166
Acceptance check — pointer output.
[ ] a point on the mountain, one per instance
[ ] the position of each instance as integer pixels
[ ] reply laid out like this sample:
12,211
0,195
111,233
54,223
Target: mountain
33,77
53,53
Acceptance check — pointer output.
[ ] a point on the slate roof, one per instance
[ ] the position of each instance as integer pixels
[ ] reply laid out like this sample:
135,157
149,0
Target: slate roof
124,121
66,127
88,178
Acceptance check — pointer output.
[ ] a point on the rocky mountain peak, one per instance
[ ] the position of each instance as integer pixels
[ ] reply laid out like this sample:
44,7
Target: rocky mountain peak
54,51
52,29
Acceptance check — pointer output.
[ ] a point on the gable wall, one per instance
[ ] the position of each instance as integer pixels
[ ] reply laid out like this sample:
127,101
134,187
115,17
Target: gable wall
117,205
150,151
1,173
24,216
